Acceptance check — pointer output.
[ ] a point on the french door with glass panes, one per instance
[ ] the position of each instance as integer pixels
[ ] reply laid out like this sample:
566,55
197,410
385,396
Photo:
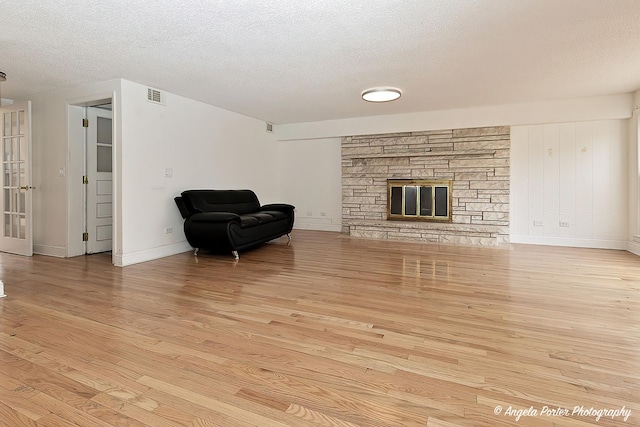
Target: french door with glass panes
15,236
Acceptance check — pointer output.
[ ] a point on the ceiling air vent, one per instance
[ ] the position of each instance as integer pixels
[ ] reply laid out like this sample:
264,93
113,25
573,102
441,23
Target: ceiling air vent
155,96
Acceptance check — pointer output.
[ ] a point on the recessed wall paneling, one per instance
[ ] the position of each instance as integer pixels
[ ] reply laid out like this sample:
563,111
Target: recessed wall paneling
569,184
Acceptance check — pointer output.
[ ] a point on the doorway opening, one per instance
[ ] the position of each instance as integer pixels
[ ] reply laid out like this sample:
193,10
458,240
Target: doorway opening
91,204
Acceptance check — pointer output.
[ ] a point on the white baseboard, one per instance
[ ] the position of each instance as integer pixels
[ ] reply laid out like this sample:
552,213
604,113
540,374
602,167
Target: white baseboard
572,242
317,224
55,251
150,254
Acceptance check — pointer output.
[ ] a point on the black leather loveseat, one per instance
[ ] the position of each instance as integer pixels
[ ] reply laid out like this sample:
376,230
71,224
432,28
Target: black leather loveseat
231,220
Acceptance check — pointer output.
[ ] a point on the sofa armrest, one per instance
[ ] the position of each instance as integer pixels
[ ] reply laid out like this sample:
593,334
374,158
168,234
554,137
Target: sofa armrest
182,207
282,207
214,217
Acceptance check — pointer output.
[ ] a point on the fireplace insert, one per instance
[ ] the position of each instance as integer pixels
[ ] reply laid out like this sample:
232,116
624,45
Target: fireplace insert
419,200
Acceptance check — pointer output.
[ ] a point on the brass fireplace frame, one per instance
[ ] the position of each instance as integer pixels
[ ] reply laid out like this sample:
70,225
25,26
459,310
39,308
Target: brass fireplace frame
419,183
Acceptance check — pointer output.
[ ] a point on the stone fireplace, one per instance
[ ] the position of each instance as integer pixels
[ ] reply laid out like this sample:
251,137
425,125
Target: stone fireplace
475,162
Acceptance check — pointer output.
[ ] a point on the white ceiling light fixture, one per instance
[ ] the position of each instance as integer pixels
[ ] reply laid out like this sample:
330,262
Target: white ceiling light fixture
381,94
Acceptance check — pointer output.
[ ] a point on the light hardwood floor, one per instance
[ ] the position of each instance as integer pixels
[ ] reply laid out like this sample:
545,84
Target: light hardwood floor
326,331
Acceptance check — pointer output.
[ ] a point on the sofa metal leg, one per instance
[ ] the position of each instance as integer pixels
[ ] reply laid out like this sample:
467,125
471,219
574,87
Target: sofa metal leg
235,254
195,251
289,236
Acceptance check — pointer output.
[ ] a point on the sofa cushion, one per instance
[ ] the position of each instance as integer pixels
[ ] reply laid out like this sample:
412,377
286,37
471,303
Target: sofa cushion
275,214
262,218
248,221
236,201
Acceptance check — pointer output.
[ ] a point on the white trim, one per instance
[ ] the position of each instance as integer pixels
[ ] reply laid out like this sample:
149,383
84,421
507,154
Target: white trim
150,254
55,251
2,294
633,247
564,241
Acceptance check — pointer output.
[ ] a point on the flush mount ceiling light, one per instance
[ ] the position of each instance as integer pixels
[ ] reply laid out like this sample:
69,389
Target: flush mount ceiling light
381,94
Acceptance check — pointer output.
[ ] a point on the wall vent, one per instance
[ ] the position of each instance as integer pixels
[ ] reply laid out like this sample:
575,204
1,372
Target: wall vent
270,127
155,96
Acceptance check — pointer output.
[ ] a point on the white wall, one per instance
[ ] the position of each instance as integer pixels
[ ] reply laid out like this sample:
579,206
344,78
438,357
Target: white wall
204,146
57,213
569,184
310,179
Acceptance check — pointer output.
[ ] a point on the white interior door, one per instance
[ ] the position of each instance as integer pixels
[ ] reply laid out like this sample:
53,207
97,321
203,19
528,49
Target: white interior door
99,180
16,236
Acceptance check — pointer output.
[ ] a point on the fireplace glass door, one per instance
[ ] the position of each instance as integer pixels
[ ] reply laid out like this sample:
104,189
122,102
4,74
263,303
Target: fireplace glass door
422,200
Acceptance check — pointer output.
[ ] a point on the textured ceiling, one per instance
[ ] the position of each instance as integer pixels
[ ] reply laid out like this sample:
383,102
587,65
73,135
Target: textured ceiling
288,61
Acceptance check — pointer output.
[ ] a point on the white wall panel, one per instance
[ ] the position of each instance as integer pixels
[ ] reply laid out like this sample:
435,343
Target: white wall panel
519,192
551,180
577,176
567,179
602,183
618,173
584,180
536,179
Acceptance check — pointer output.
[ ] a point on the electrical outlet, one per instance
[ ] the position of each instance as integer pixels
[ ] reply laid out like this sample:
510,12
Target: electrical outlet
564,224
323,214
309,213
168,230
537,223
168,173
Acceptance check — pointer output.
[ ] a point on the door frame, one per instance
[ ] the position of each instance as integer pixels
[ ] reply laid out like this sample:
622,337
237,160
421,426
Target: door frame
75,168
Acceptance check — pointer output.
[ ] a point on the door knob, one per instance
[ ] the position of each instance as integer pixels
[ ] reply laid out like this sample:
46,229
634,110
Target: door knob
26,187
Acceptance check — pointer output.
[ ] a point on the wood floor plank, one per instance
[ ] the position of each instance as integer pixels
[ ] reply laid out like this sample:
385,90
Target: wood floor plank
325,331
10,416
